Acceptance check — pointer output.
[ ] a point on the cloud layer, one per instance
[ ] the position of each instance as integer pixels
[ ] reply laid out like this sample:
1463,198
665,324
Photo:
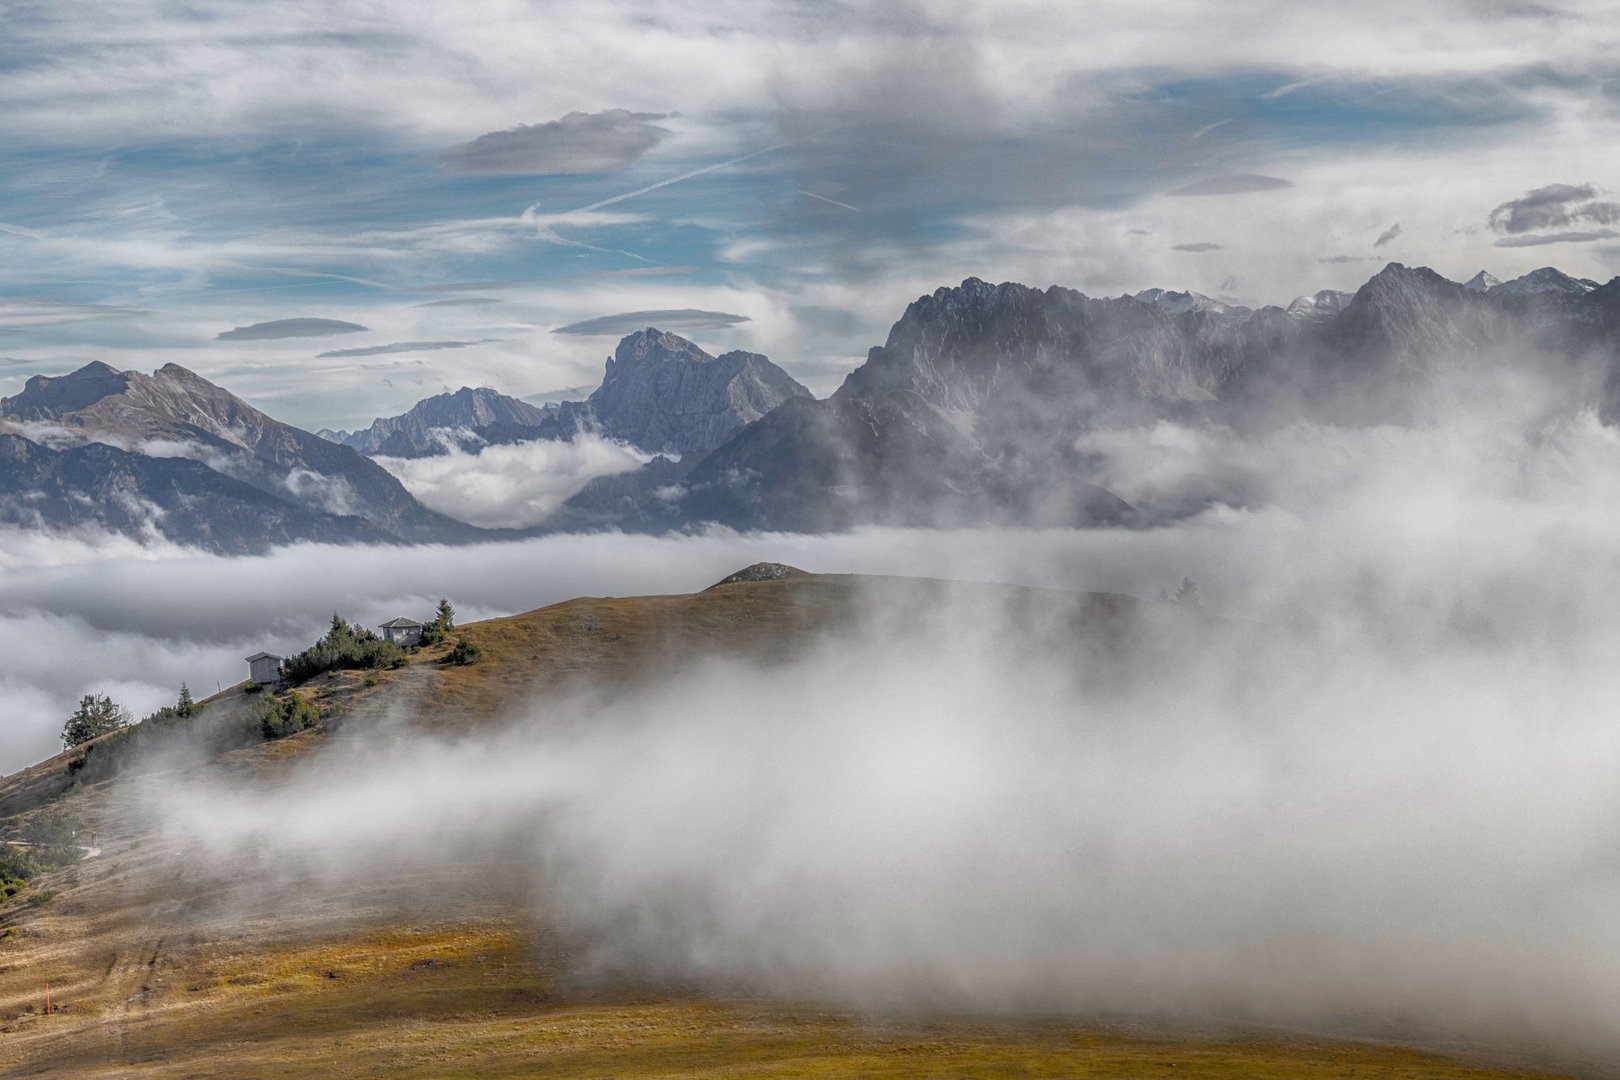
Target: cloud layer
290,328
577,143
1376,781
672,319
1554,206
511,486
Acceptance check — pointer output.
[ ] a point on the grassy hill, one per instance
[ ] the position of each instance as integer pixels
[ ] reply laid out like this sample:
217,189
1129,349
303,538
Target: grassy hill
153,974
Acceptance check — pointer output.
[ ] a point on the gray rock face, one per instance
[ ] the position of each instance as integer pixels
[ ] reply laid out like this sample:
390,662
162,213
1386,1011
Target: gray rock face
975,345
465,420
968,413
661,393
176,414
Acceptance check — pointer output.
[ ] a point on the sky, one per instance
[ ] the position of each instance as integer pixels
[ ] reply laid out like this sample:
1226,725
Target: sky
338,208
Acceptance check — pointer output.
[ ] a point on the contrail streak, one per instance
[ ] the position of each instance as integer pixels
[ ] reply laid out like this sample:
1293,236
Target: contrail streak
823,198
677,179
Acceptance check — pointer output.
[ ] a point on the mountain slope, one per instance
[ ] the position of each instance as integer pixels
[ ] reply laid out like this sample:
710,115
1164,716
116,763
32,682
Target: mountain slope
177,413
175,499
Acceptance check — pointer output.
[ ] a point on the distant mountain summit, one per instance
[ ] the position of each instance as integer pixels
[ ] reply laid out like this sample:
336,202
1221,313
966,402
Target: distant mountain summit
1482,281
660,393
1323,304
175,413
1548,279
1180,303
465,420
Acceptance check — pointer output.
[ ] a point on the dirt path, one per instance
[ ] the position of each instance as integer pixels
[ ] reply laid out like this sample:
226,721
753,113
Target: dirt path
89,852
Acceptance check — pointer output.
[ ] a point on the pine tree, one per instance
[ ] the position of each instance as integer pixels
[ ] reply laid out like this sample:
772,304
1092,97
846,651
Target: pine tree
96,715
185,706
446,615
1188,594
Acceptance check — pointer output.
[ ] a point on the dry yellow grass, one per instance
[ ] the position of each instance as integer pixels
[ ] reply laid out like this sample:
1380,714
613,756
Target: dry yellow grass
158,975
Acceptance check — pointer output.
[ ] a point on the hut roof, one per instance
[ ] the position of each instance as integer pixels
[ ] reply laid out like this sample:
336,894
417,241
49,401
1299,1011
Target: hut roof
263,656
400,624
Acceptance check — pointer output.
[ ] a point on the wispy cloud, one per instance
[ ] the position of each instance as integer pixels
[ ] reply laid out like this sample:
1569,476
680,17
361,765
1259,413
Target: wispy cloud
23,312
578,143
402,347
1231,184
1570,237
290,328
628,322
1197,248
1387,235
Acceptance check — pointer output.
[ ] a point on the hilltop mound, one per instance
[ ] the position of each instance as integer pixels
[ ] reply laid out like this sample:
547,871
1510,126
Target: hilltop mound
761,571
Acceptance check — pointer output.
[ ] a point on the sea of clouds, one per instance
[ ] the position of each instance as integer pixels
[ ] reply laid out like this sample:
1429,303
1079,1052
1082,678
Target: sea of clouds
1380,780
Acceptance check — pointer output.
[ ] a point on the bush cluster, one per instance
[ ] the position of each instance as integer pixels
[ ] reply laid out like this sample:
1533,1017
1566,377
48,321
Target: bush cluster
287,715
343,647
183,709
463,652
50,835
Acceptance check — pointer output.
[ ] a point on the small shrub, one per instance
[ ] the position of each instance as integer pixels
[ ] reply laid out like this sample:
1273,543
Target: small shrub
372,680
41,897
283,716
463,652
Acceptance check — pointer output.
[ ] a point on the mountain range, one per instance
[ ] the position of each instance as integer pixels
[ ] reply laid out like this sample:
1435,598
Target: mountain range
968,413
659,393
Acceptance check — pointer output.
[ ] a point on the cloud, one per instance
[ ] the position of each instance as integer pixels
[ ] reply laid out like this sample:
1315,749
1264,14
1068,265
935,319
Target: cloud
1338,259
403,347
26,312
1231,184
1552,206
510,486
290,328
577,143
1572,237
464,301
1387,235
1198,248
628,322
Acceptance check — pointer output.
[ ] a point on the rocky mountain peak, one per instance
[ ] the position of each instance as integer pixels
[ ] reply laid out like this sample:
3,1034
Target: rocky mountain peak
50,397
1482,281
1172,302
1547,279
654,346
1322,304
464,419
662,393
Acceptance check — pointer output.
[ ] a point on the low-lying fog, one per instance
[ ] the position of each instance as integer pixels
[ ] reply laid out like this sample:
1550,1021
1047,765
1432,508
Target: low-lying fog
1386,779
